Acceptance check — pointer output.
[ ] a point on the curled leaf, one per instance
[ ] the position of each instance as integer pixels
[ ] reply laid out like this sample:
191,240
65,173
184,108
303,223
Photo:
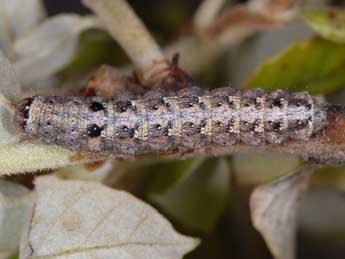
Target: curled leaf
15,206
76,219
274,210
329,24
49,47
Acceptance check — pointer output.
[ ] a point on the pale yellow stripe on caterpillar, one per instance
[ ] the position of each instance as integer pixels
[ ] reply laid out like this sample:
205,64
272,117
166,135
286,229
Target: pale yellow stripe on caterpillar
237,104
176,131
144,128
284,108
206,99
111,124
261,126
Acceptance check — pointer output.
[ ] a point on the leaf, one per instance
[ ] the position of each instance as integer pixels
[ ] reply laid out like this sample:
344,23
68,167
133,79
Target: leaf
9,86
199,182
7,130
22,16
50,47
15,207
76,219
329,24
274,210
316,65
16,18
29,157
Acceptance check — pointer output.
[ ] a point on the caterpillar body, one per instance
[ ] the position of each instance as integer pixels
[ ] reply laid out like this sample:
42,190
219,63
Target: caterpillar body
163,120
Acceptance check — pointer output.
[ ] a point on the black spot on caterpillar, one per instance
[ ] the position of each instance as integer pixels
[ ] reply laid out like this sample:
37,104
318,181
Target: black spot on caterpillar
161,120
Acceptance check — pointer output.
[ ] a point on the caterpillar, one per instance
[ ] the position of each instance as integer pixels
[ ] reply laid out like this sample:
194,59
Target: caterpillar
163,120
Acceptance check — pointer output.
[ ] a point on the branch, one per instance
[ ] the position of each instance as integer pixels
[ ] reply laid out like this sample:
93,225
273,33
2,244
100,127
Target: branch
206,13
129,31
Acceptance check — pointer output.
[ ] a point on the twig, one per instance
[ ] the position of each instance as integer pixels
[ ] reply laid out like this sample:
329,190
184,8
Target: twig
282,10
206,14
128,30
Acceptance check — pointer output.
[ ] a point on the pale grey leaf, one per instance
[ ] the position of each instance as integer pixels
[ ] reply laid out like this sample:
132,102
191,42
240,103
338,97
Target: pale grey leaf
18,17
7,129
16,158
15,207
22,16
82,219
51,46
274,209
9,86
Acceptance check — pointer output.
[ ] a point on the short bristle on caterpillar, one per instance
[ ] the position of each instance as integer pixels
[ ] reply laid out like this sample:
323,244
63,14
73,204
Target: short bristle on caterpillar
162,120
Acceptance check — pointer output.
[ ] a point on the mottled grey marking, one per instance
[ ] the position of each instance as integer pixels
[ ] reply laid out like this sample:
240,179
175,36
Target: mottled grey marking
162,121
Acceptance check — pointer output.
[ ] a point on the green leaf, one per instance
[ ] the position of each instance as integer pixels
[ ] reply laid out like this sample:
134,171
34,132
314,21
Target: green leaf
328,24
316,65
198,197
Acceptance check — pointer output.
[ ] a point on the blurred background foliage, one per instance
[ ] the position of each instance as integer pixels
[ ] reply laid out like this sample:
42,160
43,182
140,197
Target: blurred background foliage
208,197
